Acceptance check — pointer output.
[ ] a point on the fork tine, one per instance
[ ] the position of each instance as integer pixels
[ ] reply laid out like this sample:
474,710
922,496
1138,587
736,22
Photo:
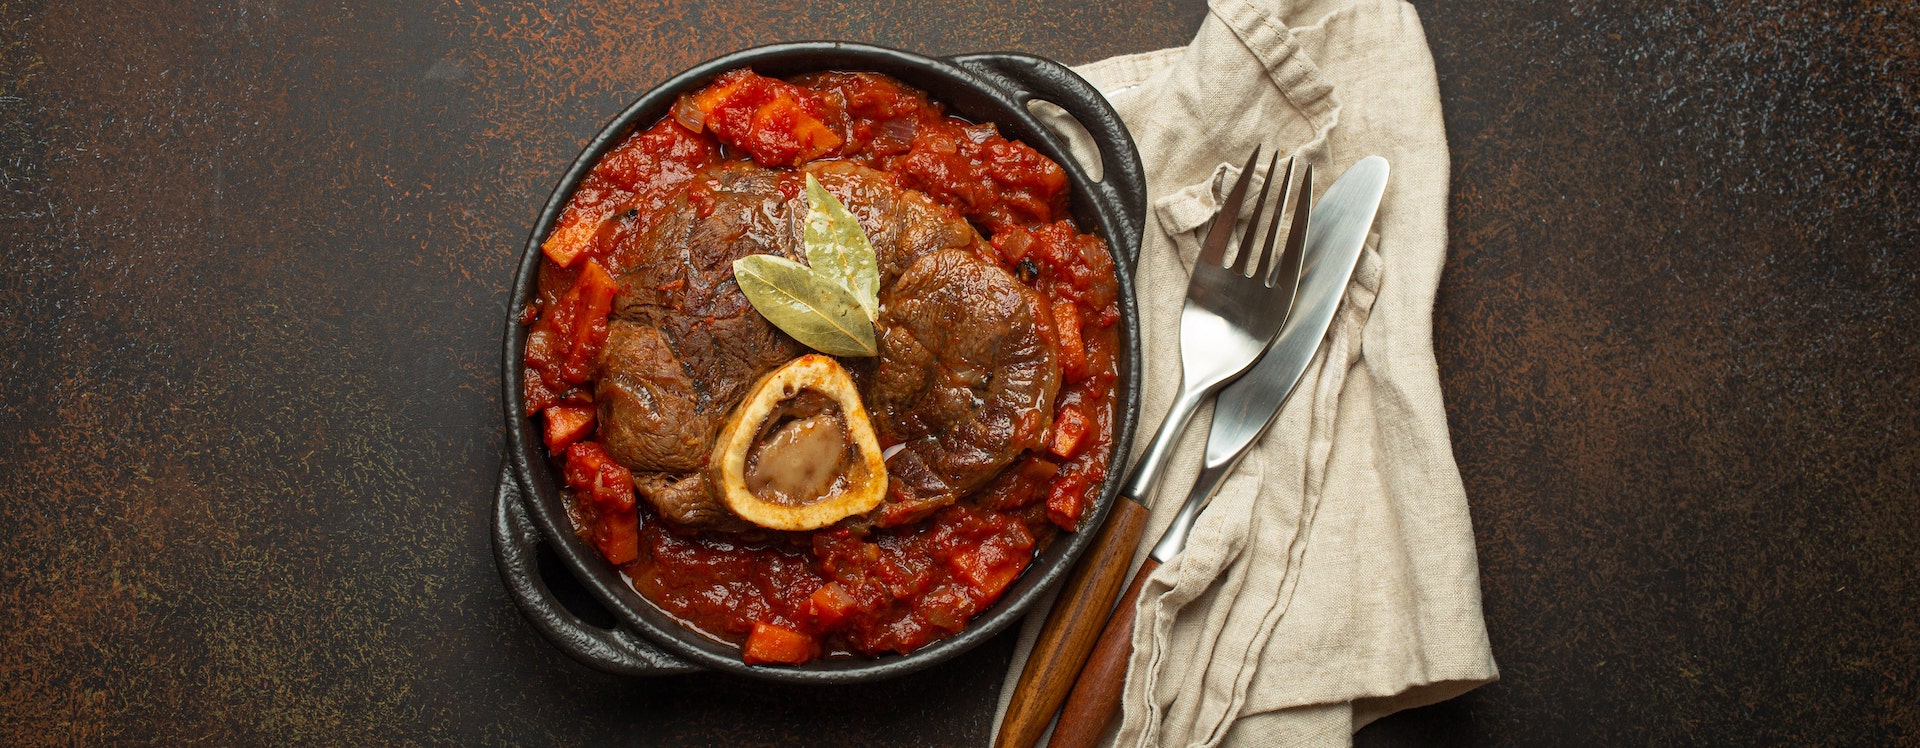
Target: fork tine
1214,250
1288,273
1279,210
1253,222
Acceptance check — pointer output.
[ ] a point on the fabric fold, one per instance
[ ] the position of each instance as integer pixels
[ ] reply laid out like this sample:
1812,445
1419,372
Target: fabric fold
1333,579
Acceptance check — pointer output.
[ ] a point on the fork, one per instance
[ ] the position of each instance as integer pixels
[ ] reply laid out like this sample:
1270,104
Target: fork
1232,314
1241,414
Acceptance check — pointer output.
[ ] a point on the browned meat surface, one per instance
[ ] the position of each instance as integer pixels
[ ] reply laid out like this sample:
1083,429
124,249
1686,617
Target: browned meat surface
686,500
645,397
966,378
684,346
903,225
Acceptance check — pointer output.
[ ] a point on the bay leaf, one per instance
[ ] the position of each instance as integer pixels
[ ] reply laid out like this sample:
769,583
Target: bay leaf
816,311
839,250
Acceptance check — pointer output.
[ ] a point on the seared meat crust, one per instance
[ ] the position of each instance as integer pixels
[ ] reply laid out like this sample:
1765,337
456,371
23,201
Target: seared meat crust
684,345
966,378
966,374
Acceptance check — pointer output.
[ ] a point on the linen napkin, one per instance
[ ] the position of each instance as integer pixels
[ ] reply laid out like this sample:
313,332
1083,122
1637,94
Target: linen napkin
1332,580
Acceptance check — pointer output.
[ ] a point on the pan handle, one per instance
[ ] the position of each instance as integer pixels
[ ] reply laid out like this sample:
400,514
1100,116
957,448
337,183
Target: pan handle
1123,183
516,542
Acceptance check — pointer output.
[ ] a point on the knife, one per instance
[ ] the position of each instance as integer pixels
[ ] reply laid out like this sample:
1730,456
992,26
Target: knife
1243,411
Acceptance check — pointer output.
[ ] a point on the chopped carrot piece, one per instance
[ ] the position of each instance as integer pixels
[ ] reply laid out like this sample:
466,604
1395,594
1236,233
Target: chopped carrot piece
830,604
1069,426
1013,243
567,424
1073,352
571,240
777,644
1066,501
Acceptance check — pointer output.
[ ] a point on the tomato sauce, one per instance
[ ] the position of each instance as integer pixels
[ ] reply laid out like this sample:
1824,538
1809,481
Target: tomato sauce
850,588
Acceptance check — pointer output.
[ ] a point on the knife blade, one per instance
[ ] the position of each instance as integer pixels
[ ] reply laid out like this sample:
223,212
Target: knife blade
1245,409
1336,232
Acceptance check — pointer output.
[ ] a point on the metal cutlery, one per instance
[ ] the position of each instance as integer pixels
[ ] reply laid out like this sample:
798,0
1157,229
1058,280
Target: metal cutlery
1241,414
1232,314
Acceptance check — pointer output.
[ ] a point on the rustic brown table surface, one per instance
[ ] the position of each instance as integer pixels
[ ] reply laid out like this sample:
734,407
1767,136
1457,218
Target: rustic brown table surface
260,253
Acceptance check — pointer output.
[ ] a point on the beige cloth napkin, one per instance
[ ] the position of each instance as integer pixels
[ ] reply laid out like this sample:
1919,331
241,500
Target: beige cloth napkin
1333,579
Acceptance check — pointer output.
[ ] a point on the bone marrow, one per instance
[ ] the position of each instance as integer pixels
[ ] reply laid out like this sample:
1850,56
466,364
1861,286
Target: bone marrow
799,453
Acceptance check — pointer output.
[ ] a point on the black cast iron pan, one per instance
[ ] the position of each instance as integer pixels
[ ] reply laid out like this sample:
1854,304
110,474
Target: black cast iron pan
529,509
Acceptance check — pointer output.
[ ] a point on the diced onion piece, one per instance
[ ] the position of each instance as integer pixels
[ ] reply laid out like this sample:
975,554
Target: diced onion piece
689,114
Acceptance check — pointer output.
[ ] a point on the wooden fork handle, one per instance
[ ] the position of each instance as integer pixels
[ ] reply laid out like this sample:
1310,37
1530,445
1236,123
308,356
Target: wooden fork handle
1096,695
1068,635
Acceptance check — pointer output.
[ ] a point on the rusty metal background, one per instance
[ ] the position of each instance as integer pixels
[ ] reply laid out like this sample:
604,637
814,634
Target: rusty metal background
258,250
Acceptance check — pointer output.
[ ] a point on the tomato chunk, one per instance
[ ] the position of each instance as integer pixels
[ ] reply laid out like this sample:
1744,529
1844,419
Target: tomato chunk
999,551
607,487
779,123
777,644
617,537
640,174
593,295
1000,184
592,471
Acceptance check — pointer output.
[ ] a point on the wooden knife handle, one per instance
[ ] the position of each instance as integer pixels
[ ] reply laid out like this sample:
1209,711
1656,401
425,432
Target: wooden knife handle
1096,695
1069,632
